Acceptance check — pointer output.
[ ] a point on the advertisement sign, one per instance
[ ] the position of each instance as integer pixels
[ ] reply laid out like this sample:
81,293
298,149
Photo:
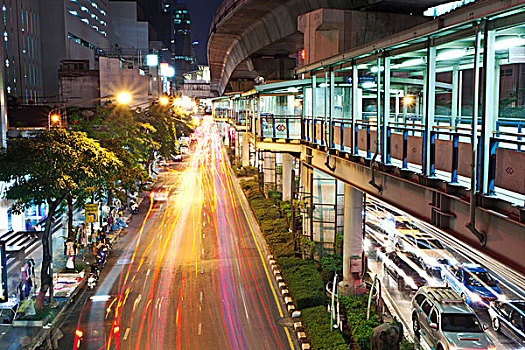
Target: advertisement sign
91,213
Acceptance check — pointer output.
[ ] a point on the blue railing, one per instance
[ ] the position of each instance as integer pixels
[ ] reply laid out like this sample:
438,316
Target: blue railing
405,140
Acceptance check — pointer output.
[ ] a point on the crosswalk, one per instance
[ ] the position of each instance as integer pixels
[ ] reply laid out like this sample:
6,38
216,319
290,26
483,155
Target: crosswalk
20,245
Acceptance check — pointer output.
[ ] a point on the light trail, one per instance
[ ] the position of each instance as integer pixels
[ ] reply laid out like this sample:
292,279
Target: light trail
204,226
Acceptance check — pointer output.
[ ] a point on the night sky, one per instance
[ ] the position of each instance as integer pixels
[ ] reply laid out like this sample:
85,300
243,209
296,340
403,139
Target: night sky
202,12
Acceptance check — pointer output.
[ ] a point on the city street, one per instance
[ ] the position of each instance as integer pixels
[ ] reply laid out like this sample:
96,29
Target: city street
189,273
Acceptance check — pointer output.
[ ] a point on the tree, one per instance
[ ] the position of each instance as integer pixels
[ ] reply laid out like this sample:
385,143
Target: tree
50,167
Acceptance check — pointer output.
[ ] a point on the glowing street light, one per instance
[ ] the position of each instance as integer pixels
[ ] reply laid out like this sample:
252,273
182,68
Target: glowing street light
124,98
408,100
55,118
164,100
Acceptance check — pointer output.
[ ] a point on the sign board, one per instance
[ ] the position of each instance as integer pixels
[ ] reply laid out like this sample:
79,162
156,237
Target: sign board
3,274
363,79
91,213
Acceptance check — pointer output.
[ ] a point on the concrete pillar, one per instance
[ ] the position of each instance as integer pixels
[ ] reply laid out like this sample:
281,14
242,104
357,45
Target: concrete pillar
352,243
287,176
237,146
245,150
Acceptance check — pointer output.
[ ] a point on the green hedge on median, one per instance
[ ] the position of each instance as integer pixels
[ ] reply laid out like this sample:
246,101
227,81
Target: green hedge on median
301,276
316,322
360,328
304,282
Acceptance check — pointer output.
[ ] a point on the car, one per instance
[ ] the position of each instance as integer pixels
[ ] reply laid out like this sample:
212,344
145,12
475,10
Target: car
160,194
508,317
446,322
473,283
429,249
97,326
407,278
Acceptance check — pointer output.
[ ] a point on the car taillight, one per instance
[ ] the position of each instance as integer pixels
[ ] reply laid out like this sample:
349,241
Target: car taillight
79,333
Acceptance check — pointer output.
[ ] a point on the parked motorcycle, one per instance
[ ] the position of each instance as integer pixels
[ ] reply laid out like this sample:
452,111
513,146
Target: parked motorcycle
93,277
133,207
101,257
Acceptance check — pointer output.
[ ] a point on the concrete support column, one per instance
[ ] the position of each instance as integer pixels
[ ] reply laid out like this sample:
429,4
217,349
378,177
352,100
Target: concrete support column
287,176
237,146
352,243
245,150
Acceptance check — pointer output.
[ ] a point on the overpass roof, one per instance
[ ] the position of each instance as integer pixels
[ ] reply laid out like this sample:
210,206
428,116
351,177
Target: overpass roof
241,28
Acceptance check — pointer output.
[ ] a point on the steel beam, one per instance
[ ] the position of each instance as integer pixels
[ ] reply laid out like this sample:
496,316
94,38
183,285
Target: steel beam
506,241
378,99
332,109
429,111
455,96
355,106
489,106
385,152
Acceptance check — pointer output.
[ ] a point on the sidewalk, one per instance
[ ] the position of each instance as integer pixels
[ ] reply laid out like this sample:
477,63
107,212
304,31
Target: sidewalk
12,338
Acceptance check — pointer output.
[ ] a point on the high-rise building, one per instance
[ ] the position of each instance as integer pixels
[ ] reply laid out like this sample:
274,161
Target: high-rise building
70,29
181,39
21,50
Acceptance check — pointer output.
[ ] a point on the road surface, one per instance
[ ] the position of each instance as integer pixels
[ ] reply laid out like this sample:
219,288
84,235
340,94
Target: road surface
192,274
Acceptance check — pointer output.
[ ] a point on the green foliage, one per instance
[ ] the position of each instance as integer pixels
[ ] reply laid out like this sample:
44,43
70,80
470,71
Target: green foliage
51,166
246,171
360,328
304,282
330,265
302,277
54,164
316,322
275,195
135,136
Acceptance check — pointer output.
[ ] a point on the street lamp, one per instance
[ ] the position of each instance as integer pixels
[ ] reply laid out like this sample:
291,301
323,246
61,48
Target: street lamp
164,100
408,100
54,119
123,98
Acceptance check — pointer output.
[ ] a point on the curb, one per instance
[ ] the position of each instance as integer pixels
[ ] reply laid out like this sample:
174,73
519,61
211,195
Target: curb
288,301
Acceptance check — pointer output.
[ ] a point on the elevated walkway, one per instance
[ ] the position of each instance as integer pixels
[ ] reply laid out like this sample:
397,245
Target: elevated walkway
412,147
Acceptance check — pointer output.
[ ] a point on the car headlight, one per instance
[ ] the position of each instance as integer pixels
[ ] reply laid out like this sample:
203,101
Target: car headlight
491,347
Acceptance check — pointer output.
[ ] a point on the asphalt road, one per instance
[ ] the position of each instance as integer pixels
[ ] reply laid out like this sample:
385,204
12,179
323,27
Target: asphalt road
190,273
